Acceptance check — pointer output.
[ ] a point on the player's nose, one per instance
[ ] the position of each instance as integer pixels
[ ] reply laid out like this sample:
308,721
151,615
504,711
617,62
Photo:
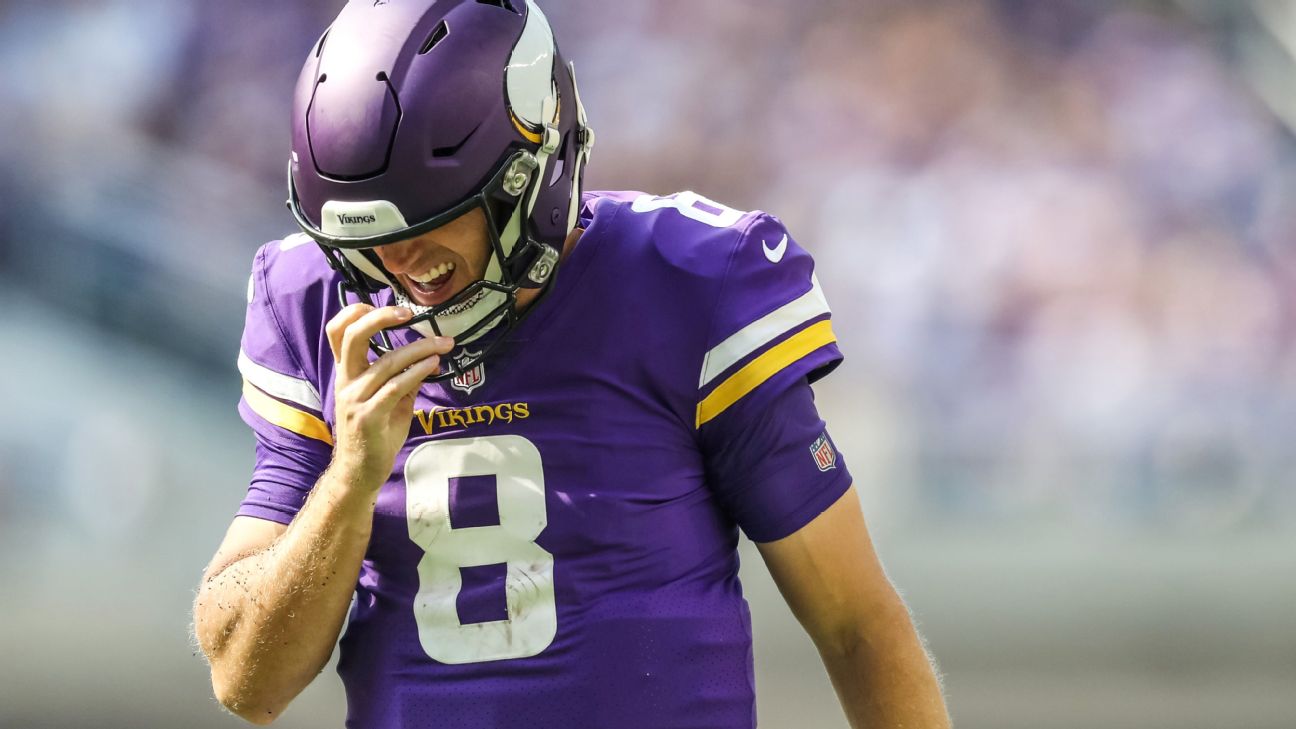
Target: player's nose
399,257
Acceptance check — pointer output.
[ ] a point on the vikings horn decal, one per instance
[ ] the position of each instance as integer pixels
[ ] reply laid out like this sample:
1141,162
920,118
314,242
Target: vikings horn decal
529,77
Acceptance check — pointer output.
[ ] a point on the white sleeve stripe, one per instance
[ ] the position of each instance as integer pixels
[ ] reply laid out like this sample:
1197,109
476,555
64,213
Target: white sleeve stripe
279,385
762,331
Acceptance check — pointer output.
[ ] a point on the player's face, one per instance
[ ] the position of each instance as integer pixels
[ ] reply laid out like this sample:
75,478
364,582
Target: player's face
439,264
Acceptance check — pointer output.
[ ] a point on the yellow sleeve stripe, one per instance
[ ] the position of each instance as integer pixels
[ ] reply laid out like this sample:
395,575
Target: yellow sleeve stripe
764,367
284,416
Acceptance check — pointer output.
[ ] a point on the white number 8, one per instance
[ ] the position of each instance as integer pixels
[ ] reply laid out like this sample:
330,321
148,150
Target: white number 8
532,618
691,205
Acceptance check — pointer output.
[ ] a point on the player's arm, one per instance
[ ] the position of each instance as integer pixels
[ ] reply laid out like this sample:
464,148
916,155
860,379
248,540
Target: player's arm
774,469
273,600
831,578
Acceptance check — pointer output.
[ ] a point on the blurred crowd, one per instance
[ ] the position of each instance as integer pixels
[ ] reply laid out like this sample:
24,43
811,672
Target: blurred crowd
1058,237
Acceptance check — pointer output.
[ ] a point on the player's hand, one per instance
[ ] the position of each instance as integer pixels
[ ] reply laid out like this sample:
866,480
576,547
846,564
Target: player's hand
374,402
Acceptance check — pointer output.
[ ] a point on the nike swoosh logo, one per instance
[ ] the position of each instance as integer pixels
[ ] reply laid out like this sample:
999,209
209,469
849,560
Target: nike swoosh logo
775,254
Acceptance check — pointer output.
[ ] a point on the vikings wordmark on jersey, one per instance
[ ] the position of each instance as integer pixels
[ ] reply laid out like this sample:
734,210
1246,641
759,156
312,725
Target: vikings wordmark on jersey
472,416
555,546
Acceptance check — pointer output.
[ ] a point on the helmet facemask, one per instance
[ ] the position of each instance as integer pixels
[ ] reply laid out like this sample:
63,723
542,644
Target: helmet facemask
516,261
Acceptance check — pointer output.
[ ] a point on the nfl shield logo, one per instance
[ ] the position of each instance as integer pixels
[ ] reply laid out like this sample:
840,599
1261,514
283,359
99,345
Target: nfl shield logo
471,378
824,455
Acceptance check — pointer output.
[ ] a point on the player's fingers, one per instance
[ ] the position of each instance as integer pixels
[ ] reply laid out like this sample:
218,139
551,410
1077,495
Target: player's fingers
355,338
397,360
407,382
338,324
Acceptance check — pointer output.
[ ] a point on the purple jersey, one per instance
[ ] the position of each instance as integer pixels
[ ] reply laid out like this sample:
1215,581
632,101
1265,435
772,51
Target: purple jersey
556,544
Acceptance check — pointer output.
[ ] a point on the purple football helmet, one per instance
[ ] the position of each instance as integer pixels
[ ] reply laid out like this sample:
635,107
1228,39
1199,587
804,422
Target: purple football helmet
410,113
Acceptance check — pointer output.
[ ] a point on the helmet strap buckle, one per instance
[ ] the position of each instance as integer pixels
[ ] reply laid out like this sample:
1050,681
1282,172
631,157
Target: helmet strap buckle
552,138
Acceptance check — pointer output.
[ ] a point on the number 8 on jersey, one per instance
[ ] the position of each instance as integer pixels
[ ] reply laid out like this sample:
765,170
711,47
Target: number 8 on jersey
519,480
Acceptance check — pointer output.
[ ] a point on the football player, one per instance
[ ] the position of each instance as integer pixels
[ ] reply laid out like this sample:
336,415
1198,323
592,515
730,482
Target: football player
507,432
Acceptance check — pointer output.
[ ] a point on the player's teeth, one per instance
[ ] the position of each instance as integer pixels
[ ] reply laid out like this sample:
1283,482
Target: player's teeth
435,273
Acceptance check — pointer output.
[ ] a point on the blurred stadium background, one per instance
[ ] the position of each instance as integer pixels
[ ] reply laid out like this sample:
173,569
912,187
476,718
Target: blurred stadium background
1060,241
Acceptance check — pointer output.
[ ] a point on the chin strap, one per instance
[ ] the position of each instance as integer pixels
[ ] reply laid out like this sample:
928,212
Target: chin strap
585,137
548,145
527,171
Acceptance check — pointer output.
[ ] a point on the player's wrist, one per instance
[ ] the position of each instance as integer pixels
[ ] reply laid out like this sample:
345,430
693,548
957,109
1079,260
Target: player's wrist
358,473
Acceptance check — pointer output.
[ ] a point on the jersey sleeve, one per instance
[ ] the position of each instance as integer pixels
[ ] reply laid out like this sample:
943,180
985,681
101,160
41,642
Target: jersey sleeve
768,454
281,403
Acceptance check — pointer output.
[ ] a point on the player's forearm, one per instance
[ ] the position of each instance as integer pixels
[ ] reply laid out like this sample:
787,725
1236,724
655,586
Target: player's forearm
268,622
883,676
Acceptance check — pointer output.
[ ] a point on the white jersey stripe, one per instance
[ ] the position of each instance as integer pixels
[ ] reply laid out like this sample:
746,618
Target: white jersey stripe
279,385
762,331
